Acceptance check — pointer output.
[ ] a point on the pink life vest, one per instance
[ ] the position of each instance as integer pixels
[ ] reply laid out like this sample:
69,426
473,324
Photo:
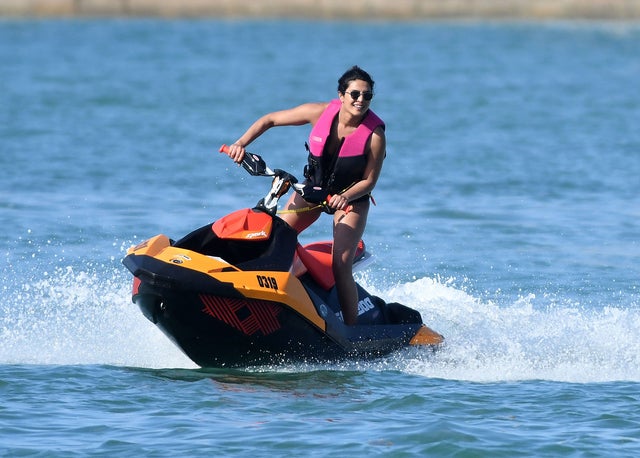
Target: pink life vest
350,164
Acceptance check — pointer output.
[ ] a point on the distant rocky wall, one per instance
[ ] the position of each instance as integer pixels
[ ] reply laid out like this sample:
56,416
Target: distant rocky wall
330,9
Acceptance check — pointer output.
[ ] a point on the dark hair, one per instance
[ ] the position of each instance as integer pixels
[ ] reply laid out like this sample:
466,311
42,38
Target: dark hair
354,73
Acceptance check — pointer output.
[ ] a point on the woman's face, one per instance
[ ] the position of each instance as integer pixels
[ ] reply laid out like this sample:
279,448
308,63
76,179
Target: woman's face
355,97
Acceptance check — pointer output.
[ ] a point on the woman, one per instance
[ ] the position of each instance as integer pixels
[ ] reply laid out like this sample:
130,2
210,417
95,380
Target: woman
346,150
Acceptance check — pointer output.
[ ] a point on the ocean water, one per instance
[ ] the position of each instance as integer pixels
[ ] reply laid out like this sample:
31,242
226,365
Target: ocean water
507,214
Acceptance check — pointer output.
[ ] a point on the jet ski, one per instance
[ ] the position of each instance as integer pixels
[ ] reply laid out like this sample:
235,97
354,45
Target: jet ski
243,291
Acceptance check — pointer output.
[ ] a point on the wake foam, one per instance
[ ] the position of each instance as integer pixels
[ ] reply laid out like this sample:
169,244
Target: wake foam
530,339
80,316
84,315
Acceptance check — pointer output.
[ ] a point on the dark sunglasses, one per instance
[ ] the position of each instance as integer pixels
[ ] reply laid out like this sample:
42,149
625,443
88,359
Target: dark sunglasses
355,95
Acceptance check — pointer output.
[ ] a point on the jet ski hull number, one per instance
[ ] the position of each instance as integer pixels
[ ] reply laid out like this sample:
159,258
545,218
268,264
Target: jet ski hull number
267,282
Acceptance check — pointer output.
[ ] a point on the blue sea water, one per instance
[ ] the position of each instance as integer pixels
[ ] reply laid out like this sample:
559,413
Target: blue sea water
507,214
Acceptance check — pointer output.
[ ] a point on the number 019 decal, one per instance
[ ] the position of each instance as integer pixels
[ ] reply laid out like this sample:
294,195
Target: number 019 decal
267,282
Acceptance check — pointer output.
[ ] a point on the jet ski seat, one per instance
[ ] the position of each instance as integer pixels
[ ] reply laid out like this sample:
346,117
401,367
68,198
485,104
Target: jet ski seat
316,259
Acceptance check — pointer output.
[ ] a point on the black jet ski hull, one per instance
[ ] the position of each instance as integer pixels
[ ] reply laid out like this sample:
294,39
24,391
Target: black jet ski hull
229,300
216,331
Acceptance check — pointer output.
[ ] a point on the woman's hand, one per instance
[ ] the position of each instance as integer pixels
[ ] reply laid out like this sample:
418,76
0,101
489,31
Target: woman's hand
236,153
339,202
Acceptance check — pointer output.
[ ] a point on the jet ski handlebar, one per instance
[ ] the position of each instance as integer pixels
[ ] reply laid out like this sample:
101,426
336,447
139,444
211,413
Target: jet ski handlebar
252,163
282,181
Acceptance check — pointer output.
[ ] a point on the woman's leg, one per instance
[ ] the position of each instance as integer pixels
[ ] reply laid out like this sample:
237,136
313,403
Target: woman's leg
347,232
299,220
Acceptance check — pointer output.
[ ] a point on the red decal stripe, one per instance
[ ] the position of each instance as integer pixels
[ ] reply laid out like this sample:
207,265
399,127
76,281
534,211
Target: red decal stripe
255,316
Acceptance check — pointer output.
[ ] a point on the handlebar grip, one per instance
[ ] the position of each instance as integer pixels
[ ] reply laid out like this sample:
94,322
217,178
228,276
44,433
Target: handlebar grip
346,210
224,149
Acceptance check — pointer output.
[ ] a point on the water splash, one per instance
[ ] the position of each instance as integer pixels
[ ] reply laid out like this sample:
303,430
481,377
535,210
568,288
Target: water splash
72,315
82,314
530,339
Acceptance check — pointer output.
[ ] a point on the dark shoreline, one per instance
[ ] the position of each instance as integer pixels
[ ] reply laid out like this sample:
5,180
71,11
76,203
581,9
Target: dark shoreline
331,9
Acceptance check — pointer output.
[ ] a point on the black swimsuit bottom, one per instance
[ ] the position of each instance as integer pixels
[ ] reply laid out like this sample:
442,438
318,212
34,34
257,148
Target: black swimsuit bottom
361,199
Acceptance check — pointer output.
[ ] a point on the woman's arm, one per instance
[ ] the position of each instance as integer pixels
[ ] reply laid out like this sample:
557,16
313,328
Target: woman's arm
297,116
